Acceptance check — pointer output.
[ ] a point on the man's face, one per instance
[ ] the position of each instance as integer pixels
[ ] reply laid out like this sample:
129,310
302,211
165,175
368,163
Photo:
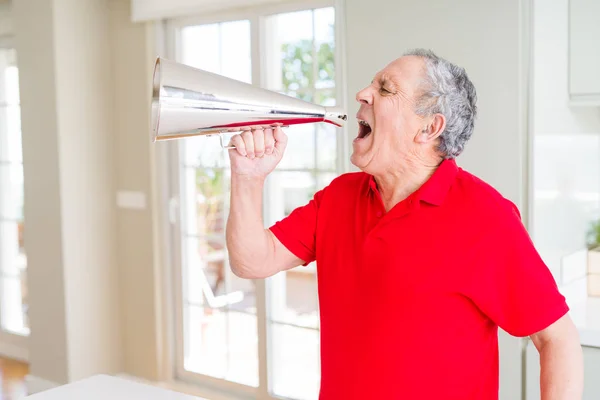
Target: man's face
387,123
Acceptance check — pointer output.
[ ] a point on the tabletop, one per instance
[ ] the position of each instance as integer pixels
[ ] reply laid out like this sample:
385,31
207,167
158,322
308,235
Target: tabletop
104,387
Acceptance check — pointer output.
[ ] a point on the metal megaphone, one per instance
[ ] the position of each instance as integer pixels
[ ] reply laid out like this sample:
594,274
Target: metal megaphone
187,101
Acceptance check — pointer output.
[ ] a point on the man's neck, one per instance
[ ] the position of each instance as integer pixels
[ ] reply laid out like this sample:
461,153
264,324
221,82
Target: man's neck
396,185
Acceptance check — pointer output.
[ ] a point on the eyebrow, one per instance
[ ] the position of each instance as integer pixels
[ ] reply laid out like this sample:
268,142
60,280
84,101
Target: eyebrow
387,80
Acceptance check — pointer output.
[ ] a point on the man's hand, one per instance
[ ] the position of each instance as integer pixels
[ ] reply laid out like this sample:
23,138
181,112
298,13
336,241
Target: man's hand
257,152
561,361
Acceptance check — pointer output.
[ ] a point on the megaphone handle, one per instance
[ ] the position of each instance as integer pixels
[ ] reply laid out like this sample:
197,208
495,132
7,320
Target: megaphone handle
223,144
233,147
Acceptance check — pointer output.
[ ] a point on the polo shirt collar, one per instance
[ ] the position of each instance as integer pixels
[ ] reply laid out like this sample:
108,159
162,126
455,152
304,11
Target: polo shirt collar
435,189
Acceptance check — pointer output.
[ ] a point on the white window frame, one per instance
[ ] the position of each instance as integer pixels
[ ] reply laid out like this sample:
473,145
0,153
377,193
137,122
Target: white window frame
12,345
170,182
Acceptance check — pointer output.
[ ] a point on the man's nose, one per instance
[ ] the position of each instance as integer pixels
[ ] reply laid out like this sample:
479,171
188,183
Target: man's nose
365,96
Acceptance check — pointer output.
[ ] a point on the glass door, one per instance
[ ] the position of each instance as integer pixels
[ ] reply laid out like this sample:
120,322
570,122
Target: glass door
258,337
300,62
218,310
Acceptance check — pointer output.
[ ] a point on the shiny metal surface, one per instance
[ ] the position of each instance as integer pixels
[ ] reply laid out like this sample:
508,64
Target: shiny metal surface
190,102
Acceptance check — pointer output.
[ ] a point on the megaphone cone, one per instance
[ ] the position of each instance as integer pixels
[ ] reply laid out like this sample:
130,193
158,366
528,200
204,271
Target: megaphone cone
187,101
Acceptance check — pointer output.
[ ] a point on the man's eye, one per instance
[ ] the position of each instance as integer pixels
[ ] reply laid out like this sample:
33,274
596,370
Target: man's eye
384,90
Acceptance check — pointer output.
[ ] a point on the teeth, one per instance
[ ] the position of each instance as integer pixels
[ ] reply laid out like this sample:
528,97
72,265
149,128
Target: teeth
365,123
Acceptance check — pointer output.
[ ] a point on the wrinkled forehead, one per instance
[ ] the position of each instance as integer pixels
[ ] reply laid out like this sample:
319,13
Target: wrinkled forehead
405,73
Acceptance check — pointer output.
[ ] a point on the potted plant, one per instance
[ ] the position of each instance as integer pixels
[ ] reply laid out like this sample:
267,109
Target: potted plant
593,272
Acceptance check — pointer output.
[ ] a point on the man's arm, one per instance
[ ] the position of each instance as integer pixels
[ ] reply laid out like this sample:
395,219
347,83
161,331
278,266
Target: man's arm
517,290
254,252
561,361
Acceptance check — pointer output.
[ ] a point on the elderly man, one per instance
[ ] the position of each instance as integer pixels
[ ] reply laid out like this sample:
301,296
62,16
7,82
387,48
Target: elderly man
419,262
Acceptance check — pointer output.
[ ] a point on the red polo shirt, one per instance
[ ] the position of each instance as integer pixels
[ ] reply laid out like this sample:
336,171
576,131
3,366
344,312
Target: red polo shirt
411,299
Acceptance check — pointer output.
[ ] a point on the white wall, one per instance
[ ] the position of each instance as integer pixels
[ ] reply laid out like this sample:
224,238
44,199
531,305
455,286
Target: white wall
65,78
485,38
487,46
139,249
93,273
6,26
85,126
42,208
566,145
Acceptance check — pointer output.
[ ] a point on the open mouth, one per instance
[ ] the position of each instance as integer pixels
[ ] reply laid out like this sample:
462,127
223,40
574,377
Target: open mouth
364,129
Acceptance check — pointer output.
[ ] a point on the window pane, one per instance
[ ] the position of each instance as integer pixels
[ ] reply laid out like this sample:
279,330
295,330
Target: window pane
297,69
210,290
300,150
294,26
295,368
10,118
325,45
12,251
205,271
220,308
325,179
200,47
227,346
326,147
205,151
243,348
8,64
288,190
219,48
210,196
206,192
205,342
290,54
221,344
14,304
293,297
10,134
235,50
11,191
325,97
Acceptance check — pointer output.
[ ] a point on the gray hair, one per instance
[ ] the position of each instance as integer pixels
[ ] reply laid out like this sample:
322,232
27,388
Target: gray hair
447,90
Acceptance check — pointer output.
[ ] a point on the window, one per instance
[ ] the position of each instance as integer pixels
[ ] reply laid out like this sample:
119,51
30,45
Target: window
13,262
301,63
220,323
256,337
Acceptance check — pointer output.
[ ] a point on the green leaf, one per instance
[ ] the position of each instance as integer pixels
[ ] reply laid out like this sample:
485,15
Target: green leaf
297,67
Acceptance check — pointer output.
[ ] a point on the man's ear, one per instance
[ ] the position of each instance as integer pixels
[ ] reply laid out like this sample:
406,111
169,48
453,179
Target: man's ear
435,127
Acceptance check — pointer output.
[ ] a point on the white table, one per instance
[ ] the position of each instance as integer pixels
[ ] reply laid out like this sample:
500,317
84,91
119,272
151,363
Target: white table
104,387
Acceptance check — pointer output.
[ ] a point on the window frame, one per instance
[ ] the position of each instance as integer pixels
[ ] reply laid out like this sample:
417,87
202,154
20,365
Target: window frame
167,39
12,344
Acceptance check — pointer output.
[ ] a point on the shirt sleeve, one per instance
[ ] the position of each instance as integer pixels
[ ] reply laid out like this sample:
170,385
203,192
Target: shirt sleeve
510,283
297,231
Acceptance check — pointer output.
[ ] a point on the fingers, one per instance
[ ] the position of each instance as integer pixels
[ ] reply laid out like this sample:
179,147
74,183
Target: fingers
248,143
239,145
269,141
280,139
259,141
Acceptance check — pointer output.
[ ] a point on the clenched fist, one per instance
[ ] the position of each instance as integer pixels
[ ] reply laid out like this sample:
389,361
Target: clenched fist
257,152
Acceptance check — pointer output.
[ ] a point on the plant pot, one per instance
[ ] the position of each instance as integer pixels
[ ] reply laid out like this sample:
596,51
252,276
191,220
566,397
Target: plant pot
593,272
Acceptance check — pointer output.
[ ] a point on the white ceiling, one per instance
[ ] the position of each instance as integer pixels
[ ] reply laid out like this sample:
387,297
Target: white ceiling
144,10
